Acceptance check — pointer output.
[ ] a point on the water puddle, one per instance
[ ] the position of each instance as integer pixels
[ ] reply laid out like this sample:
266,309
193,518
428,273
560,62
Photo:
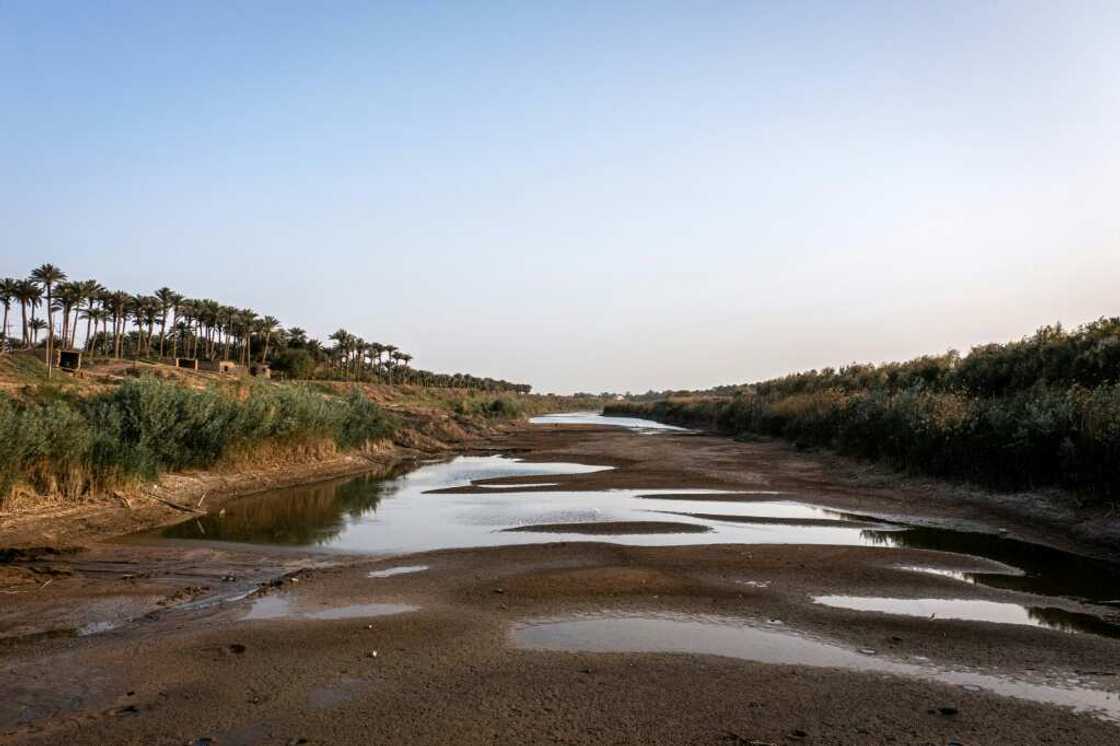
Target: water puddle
435,507
280,607
524,485
613,528
1036,568
594,418
976,611
402,570
730,637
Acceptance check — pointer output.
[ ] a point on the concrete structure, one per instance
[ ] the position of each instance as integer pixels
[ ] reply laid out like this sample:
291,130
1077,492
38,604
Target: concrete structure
70,360
220,366
189,363
260,370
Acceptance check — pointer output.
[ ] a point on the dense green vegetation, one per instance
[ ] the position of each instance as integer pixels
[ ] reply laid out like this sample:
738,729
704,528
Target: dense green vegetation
167,324
1042,411
60,443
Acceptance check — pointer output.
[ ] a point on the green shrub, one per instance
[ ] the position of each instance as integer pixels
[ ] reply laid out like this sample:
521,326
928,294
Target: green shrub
295,363
147,426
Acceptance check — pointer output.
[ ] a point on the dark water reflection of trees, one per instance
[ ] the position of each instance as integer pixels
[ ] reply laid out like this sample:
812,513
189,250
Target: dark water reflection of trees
297,516
1046,571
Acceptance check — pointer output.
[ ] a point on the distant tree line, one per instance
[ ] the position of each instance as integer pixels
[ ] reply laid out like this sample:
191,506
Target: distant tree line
118,324
1040,411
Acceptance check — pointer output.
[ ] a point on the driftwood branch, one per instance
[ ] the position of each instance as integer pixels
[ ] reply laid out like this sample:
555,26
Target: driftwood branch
177,506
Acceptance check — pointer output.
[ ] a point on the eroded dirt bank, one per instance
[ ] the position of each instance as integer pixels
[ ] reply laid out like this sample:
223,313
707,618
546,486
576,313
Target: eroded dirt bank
295,662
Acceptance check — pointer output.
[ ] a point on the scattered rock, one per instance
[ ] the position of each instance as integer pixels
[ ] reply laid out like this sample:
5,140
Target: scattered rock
948,710
869,651
499,590
235,648
371,654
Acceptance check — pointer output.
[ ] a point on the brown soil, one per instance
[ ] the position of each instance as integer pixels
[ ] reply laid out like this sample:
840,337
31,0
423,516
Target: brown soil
448,673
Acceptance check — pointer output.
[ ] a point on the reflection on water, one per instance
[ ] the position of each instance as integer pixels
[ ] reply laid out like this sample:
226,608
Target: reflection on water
1045,570
976,610
401,570
300,516
414,512
280,607
726,636
594,418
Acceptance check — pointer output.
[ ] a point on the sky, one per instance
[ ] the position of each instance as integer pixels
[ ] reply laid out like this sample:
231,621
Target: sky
581,196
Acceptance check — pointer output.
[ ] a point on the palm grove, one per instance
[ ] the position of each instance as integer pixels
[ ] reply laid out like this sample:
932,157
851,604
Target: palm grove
118,324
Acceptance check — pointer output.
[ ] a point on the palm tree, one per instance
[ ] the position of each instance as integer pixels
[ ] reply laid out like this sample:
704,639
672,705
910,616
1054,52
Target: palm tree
49,275
118,302
176,300
37,325
165,297
267,327
377,350
8,288
297,337
246,319
28,293
391,351
67,295
92,292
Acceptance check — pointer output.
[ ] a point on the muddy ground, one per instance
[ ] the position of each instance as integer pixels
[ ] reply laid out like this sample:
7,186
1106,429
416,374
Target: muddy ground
183,664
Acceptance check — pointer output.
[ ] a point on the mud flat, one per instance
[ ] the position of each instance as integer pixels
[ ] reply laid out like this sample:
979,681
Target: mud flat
438,607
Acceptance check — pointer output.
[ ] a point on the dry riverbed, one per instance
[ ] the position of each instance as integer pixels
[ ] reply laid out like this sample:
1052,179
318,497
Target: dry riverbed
589,638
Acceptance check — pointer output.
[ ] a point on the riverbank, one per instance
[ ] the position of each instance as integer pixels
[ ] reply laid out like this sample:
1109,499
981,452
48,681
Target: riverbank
1048,515
124,446
455,649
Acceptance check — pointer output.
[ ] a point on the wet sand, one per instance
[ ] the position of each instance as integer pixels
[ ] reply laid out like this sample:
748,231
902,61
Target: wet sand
176,671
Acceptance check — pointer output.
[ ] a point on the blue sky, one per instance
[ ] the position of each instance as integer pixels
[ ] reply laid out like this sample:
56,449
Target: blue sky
579,195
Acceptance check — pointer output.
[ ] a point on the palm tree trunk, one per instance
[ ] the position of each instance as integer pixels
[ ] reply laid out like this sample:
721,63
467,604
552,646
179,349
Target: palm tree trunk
50,331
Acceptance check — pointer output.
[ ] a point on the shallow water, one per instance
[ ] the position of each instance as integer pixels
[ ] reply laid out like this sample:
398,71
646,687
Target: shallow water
401,570
411,514
731,637
280,607
976,610
594,418
1041,569
414,513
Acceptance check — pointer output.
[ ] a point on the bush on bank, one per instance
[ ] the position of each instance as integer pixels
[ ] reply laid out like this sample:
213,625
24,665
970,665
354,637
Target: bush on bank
1039,437
72,445
1040,411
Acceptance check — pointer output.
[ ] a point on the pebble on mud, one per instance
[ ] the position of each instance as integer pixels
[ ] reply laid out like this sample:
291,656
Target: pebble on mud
371,654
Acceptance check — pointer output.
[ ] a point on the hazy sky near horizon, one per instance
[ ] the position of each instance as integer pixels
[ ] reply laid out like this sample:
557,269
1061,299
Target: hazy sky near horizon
581,196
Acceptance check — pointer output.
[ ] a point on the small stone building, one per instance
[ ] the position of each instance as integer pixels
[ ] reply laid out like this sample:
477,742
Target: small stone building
260,370
220,366
70,360
189,363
